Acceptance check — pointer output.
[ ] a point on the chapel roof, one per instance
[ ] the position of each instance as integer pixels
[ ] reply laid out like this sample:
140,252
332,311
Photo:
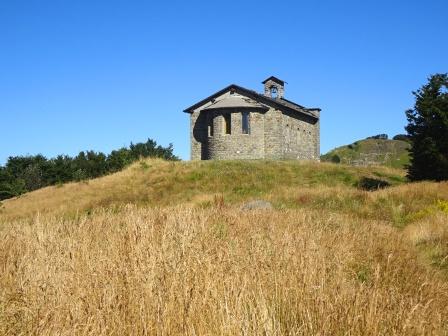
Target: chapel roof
280,103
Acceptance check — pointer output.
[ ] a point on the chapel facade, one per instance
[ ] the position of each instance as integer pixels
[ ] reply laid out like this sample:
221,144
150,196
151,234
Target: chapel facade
238,123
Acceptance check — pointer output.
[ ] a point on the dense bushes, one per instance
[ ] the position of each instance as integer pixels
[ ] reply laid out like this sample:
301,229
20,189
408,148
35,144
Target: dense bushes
379,137
26,173
402,137
372,184
335,158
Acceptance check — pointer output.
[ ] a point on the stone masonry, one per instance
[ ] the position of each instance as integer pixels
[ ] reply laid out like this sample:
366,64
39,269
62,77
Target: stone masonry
276,128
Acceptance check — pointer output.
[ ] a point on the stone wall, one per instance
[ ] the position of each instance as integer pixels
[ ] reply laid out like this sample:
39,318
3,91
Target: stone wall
236,145
273,134
300,136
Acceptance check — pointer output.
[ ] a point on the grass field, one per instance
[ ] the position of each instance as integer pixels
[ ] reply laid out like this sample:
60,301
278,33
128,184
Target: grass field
164,248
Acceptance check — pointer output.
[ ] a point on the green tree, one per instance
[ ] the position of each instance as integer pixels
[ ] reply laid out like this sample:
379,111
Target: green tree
60,170
428,131
30,169
118,159
10,186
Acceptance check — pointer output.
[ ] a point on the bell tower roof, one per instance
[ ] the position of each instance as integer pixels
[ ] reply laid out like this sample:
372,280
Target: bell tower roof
274,79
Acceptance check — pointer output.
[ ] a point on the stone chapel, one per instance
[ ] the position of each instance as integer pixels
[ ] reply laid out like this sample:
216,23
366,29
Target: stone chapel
238,123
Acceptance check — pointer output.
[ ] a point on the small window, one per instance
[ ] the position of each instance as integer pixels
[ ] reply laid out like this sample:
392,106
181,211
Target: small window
246,122
227,123
210,128
274,92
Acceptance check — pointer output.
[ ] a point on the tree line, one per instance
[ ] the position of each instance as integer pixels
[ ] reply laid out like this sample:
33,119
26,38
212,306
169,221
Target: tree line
383,136
22,174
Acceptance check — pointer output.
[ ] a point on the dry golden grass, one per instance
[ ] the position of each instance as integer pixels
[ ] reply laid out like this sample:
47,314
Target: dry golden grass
430,236
215,272
163,249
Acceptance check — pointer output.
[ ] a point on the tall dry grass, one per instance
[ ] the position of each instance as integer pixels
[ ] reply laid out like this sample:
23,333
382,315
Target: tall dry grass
216,271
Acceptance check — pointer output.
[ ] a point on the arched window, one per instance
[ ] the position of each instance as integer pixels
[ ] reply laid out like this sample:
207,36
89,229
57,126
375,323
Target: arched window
274,92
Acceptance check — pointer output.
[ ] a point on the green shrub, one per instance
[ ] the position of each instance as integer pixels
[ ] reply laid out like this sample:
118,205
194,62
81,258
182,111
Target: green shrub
335,158
372,184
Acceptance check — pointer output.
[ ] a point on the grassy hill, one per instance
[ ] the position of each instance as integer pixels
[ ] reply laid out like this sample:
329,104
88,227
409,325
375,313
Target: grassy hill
163,183
165,248
392,153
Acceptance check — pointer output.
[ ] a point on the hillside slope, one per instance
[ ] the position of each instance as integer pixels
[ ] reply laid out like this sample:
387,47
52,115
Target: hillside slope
367,152
321,186
161,183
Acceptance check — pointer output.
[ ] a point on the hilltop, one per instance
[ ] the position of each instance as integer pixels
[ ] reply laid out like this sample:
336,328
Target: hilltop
286,184
367,152
155,182
165,248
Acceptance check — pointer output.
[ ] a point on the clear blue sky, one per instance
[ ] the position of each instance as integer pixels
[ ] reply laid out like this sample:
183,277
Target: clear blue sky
78,75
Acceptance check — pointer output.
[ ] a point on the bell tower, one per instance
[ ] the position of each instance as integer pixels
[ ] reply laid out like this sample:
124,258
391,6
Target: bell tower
274,87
